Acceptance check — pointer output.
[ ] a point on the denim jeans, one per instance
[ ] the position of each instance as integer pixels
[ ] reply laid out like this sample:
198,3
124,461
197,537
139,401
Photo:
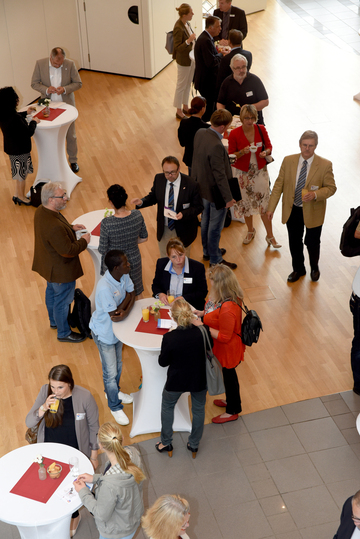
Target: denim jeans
212,223
58,297
355,347
169,400
111,361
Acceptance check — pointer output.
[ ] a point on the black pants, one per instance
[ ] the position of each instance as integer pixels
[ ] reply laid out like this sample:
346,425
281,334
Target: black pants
355,347
295,226
232,391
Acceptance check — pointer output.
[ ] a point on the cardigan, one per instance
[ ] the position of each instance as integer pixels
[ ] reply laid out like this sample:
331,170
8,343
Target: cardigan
228,347
181,49
238,141
85,408
17,133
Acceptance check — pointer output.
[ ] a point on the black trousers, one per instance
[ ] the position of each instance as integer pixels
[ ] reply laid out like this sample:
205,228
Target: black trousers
232,391
295,226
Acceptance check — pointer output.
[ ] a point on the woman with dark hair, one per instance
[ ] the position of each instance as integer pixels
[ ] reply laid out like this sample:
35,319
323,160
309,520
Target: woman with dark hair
184,39
189,126
75,423
17,140
124,230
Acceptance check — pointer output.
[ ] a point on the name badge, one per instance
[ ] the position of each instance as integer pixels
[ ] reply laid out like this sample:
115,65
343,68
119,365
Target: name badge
249,94
186,206
80,415
116,293
188,280
232,15
314,187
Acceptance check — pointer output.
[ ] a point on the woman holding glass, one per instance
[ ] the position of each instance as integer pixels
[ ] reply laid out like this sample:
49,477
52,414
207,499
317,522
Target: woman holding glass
184,38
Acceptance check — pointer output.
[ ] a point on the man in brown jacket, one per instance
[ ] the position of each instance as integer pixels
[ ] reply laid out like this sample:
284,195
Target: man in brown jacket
56,258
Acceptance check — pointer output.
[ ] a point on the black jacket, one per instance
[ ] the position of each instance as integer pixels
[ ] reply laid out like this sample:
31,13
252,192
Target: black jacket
347,525
17,133
186,133
237,20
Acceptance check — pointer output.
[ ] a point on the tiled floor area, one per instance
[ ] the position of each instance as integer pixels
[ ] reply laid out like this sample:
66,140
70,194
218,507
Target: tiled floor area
335,21
280,473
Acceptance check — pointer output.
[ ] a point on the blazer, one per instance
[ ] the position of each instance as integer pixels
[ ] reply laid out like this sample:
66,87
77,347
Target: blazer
211,165
320,176
238,141
186,133
70,79
347,525
194,292
189,195
181,49
17,133
237,20
207,61
56,252
224,67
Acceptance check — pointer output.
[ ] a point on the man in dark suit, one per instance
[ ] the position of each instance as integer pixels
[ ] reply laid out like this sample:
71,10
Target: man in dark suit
179,193
350,517
231,17
211,169
207,61
235,42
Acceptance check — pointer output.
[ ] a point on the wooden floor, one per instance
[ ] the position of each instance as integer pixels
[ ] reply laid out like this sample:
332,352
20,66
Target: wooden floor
125,127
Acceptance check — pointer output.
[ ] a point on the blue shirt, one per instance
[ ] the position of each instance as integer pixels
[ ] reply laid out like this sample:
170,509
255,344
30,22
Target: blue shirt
177,281
109,294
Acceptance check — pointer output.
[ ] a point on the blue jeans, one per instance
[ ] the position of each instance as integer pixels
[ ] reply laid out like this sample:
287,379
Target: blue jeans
212,223
58,297
111,361
355,347
169,400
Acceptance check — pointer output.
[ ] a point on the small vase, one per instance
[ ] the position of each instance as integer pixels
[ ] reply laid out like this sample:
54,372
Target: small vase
42,473
46,112
157,316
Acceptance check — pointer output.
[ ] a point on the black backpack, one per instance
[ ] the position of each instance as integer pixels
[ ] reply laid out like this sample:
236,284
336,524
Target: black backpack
250,327
81,313
35,193
350,246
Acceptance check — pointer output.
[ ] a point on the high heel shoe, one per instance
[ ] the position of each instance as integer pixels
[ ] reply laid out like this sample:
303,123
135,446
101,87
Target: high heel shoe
193,451
169,448
272,241
17,200
249,237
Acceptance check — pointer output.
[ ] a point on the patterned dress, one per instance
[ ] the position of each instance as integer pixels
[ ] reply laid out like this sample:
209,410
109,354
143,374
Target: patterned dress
123,233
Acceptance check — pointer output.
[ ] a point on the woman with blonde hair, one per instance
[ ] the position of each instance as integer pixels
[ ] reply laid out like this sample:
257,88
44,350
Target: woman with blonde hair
168,518
223,315
182,350
117,503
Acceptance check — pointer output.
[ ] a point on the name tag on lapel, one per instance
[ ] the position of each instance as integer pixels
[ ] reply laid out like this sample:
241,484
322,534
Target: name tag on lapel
188,280
314,188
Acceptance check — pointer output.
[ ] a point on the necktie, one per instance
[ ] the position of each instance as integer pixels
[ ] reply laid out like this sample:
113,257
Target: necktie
300,184
171,222
225,25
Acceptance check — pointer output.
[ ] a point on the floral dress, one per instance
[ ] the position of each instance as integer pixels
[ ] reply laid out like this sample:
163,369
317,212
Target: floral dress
255,190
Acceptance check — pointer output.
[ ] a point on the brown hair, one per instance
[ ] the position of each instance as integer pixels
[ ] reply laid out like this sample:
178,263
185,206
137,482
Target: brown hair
183,9
197,103
170,159
236,37
59,373
220,117
248,109
210,21
224,285
177,244
309,134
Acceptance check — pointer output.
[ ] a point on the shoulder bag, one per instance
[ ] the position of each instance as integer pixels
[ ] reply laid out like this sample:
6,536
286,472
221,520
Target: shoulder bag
214,376
268,158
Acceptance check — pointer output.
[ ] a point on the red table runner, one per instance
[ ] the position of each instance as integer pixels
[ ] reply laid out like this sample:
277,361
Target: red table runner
151,326
30,486
54,113
96,231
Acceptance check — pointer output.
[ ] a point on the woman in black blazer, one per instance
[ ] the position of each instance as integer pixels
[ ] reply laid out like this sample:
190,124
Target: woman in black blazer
183,351
179,275
189,126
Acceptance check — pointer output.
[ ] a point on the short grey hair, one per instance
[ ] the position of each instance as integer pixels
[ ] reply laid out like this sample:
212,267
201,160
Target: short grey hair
309,134
237,57
48,191
56,51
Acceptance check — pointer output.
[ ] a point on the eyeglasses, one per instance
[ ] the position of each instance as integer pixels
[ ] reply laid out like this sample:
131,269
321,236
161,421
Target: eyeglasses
62,196
249,118
171,173
240,68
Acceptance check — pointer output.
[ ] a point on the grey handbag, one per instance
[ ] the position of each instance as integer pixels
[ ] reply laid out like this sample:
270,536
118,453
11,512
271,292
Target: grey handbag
214,375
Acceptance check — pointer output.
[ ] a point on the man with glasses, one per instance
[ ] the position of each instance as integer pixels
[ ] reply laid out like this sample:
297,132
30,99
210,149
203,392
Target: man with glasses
56,258
180,194
242,88
350,519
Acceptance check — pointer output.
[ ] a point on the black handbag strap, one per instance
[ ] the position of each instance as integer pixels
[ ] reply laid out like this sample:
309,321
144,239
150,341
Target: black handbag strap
262,137
205,336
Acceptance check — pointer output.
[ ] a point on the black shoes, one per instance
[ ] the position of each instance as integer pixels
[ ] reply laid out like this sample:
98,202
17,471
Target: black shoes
222,251
74,167
295,276
230,265
315,275
169,448
356,390
17,200
193,450
73,337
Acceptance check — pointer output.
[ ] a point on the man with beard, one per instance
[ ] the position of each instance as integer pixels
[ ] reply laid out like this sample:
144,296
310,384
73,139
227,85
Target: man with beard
242,88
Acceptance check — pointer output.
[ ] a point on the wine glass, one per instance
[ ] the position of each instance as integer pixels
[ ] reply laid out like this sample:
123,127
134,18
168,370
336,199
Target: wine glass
74,466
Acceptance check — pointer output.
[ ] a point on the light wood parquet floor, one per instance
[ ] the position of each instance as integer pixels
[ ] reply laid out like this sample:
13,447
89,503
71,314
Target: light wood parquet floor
125,127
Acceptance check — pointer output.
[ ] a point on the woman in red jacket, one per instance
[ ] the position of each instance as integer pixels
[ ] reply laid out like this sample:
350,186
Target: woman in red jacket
223,316
251,145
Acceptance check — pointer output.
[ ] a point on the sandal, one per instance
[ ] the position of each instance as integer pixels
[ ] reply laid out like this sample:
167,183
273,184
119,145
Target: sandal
249,237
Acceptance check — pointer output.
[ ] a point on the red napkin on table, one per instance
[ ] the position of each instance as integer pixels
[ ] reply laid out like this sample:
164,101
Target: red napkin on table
96,231
54,113
30,486
151,326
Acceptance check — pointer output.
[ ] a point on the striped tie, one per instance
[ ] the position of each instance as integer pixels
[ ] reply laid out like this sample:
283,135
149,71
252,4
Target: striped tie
300,184
171,222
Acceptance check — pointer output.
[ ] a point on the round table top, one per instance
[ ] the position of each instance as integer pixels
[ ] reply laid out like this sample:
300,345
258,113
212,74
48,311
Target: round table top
67,117
90,220
125,330
21,511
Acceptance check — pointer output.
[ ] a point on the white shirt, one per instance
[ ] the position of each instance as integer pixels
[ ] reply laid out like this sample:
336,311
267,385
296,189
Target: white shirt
55,80
176,185
356,534
300,164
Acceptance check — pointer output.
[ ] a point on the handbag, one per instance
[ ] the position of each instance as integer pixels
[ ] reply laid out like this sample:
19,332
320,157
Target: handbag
214,375
32,432
169,44
268,158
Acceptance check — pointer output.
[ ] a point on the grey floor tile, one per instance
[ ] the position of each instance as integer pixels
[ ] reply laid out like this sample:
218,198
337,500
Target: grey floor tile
289,535
336,407
352,436
305,410
234,427
161,468
273,505
247,522
293,473
319,434
266,419
149,496
311,507
257,472
277,443
356,449
324,531
215,455
352,400
241,442
282,523
249,456
336,464
264,488
9,532
345,421
212,431
333,397
342,490
226,489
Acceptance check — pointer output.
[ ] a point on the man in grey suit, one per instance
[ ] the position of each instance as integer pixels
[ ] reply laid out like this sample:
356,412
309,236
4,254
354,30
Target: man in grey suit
57,77
211,169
